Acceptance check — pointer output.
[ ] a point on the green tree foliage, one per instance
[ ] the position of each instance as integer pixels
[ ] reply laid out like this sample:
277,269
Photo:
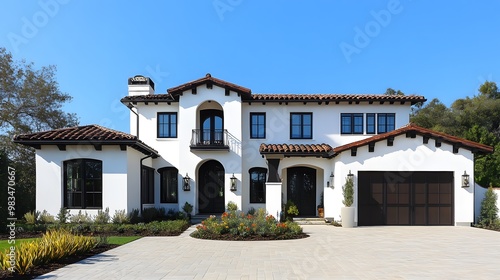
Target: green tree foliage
30,101
489,210
476,119
348,191
391,91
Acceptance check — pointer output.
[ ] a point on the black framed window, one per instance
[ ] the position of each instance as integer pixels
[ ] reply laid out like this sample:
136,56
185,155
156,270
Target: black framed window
351,123
257,125
167,125
370,123
82,183
257,185
147,185
386,122
168,184
300,125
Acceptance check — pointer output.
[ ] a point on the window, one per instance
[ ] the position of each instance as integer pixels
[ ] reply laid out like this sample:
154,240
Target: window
370,123
386,122
167,125
147,185
257,125
83,184
258,185
351,123
168,184
301,125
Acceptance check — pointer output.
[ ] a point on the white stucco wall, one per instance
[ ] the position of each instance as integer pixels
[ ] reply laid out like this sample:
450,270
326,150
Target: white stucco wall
407,154
120,181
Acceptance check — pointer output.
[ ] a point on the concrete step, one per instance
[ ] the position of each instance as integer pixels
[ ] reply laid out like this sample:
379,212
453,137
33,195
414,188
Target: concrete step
310,221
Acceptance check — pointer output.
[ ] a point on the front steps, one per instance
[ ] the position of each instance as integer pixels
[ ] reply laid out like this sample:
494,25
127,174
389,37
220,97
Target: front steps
310,221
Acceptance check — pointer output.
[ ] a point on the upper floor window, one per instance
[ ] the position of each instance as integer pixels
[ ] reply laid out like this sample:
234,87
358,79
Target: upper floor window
386,122
300,125
82,183
258,185
167,125
351,123
370,123
257,125
168,184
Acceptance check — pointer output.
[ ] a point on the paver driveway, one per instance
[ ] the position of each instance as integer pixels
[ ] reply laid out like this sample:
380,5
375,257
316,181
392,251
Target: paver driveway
329,253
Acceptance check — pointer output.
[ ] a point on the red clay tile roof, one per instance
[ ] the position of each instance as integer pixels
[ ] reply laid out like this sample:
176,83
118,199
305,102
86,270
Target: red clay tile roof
208,79
297,150
172,95
89,135
460,142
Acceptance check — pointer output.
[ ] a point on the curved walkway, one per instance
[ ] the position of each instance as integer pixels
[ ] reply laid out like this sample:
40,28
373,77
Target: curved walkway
329,253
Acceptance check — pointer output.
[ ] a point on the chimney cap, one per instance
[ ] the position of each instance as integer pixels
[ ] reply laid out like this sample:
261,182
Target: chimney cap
141,80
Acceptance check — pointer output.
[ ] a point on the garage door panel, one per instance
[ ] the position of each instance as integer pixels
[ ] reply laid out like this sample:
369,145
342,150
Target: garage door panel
418,198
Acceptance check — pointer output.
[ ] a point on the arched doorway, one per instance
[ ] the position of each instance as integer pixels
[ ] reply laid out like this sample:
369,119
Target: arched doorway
301,189
211,188
212,127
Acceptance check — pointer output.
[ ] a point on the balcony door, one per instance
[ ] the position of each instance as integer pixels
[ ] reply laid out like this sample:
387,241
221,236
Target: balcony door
212,127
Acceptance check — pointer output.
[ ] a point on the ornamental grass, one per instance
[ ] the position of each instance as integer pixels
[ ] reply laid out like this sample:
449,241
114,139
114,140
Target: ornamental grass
234,225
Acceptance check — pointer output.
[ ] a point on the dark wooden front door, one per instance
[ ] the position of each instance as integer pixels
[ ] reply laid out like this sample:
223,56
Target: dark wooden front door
301,189
211,187
405,198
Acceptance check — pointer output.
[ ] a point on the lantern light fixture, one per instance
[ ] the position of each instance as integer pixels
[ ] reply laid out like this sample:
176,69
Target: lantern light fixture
465,180
186,187
233,183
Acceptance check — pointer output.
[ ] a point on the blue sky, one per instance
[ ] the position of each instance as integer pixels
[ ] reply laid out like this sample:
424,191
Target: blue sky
439,49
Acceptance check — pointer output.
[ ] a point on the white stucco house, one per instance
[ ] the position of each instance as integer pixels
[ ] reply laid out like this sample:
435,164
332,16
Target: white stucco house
208,142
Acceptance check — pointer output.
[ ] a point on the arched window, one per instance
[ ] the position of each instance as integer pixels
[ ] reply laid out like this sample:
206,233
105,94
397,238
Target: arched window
168,184
258,185
82,183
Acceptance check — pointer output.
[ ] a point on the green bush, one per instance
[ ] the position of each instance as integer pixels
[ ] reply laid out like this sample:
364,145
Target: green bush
133,216
46,218
63,215
240,226
150,214
102,217
120,217
187,208
231,206
81,218
489,212
32,217
291,210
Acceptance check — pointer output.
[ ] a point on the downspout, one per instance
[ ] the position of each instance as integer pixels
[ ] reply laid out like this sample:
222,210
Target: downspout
140,170
130,106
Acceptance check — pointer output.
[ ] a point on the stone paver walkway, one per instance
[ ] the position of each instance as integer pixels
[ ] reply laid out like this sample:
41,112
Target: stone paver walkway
329,253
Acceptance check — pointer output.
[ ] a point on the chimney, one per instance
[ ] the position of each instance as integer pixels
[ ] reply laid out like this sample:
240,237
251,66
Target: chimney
140,85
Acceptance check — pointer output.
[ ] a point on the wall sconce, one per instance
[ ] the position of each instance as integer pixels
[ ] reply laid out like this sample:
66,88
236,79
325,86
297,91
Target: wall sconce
186,180
330,181
233,183
350,175
465,180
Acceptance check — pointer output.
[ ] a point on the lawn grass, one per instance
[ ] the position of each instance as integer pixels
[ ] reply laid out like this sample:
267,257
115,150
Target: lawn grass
115,240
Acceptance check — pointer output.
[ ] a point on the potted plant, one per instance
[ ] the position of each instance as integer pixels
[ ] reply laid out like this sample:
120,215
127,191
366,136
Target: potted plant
348,211
321,207
291,210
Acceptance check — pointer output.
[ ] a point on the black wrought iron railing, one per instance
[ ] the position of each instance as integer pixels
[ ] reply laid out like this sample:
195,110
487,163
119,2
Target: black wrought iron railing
209,138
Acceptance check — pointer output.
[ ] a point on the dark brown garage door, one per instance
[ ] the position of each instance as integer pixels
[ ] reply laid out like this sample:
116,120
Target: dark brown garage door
405,198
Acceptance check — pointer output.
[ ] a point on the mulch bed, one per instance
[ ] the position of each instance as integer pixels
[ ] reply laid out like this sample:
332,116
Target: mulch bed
40,270
230,237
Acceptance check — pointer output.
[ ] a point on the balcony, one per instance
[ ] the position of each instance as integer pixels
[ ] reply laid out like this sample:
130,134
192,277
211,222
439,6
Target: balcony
209,140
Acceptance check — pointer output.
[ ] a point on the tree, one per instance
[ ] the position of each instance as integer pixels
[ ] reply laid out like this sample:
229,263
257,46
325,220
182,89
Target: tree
391,91
489,210
489,89
30,101
435,115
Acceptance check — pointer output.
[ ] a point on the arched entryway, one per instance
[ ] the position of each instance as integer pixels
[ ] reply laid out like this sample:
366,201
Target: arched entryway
301,189
211,188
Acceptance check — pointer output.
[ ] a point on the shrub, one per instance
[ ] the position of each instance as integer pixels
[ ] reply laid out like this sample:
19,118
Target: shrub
291,210
46,218
81,218
187,208
54,245
102,217
240,226
32,217
133,216
231,206
348,191
120,217
489,211
251,211
63,215
150,214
